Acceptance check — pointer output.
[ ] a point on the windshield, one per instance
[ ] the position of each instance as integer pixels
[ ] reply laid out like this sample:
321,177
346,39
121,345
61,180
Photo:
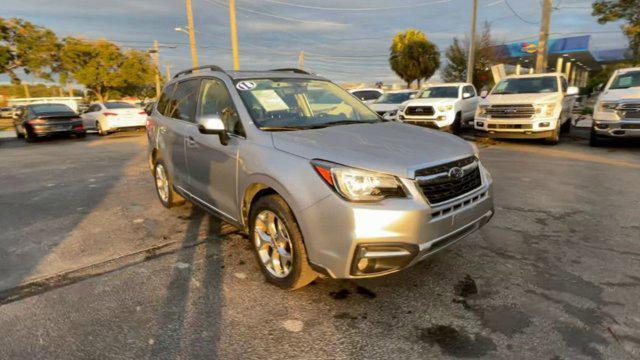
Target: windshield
394,98
532,85
626,80
290,104
118,105
440,92
50,108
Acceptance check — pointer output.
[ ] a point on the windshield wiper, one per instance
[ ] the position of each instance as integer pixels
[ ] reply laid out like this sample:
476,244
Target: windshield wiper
284,128
348,122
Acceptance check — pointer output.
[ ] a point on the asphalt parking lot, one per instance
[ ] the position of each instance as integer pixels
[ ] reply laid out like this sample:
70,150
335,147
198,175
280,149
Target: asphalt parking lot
91,266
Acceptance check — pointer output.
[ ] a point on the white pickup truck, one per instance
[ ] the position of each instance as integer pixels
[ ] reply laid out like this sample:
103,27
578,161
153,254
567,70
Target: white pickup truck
446,107
536,106
617,111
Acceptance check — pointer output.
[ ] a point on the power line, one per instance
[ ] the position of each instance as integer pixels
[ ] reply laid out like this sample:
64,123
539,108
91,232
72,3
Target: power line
357,9
506,2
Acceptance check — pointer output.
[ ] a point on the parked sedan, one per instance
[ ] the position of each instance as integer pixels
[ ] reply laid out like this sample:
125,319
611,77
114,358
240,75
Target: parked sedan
367,96
387,105
42,120
6,112
113,116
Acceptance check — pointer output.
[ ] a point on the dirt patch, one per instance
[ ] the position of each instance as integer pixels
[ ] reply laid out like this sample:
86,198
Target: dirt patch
466,287
504,319
455,343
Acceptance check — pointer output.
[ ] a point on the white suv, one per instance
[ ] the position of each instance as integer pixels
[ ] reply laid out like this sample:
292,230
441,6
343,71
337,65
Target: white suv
617,111
534,106
445,107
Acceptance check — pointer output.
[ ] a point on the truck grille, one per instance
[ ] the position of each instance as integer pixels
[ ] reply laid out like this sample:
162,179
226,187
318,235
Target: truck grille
630,111
522,111
438,186
510,126
419,111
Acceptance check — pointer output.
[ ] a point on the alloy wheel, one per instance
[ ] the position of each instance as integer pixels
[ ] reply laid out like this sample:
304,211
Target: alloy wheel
273,244
162,183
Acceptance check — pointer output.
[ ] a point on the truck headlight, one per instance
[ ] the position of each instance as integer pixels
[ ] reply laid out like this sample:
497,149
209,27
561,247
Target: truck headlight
608,107
444,108
358,185
545,110
482,110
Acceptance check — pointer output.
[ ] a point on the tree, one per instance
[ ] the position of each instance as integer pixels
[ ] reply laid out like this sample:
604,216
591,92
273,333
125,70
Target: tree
27,47
457,55
628,10
413,57
105,70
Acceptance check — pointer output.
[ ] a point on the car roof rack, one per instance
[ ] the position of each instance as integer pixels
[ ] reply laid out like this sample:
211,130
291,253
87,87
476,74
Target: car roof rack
189,71
293,70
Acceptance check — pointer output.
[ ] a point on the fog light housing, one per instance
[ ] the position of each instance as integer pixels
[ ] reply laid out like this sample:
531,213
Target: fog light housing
401,117
479,123
381,259
602,126
442,118
544,124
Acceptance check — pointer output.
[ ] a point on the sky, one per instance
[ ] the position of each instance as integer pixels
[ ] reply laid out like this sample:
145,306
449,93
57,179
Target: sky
346,41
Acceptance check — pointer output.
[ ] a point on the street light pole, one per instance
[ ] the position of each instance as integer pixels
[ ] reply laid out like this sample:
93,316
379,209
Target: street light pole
301,60
155,67
192,36
168,68
472,43
541,58
234,34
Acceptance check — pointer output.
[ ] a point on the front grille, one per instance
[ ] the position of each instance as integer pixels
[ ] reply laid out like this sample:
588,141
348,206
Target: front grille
419,110
629,110
630,126
510,126
427,124
523,111
443,168
437,186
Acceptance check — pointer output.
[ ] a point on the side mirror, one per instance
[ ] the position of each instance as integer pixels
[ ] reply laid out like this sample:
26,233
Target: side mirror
212,125
572,90
484,93
467,95
412,96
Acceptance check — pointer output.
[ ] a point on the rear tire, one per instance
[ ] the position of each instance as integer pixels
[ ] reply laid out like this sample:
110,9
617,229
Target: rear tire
594,139
285,231
456,127
164,186
29,136
101,132
18,134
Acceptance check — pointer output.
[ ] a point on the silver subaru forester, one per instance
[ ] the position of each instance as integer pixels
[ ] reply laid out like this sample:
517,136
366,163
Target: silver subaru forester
321,183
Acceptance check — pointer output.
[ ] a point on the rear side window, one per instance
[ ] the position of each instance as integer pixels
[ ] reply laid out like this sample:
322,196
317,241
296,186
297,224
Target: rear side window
183,102
165,98
469,89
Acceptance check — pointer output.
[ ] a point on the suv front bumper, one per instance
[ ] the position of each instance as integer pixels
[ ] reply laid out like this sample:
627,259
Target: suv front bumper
525,128
439,120
625,128
336,231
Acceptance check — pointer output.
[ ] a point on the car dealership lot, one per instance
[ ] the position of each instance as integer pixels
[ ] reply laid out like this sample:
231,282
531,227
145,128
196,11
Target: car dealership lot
92,266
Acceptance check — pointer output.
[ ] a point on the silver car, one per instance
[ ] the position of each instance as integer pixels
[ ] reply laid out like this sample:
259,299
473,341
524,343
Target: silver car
321,183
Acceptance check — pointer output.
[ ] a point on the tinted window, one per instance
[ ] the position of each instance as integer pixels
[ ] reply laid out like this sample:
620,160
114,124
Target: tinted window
440,92
50,108
365,95
394,98
531,85
184,99
469,89
215,100
118,105
94,108
167,93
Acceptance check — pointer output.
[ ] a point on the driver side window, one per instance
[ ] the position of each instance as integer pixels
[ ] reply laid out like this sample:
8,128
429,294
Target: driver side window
215,100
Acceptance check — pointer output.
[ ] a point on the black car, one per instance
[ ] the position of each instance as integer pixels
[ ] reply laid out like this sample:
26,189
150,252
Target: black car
42,120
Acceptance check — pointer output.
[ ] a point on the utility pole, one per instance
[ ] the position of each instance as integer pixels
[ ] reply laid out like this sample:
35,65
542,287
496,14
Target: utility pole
168,68
69,89
192,36
26,90
472,43
155,67
301,60
541,58
234,34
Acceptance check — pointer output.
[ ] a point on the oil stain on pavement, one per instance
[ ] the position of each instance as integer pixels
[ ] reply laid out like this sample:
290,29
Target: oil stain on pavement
454,342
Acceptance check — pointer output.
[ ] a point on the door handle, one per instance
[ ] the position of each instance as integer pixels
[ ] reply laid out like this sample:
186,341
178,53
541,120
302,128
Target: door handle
191,142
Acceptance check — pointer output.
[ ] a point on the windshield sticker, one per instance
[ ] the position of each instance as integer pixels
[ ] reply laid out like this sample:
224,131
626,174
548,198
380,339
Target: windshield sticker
245,85
270,100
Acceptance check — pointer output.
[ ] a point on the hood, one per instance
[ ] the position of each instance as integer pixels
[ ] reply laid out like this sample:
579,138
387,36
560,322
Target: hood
521,99
386,147
632,93
432,102
383,106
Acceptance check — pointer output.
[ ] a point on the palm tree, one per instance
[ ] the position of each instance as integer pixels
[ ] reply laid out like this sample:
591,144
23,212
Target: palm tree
413,57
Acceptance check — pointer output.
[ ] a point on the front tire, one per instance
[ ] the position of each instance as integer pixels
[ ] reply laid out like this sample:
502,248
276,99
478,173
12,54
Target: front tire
594,139
278,244
456,127
101,131
566,127
29,136
18,134
554,139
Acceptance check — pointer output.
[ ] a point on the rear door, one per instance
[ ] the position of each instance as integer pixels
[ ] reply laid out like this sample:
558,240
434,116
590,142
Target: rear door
175,122
567,101
213,166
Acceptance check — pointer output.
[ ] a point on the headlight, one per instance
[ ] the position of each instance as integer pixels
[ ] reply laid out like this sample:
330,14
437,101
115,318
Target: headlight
402,107
358,185
545,109
482,110
608,106
476,151
444,108
391,113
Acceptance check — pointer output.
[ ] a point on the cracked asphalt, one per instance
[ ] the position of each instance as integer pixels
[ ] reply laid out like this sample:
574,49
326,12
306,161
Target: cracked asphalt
554,275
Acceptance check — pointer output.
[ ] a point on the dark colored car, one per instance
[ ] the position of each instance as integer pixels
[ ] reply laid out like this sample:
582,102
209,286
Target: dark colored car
43,120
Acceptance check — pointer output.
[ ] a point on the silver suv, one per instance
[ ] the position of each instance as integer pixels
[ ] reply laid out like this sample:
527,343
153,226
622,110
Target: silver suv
321,183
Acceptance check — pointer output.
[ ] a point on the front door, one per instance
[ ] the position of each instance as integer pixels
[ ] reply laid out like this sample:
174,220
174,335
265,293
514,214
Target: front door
213,166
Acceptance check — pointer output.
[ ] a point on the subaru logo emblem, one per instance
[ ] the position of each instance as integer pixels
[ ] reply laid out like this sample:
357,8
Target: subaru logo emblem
419,110
456,173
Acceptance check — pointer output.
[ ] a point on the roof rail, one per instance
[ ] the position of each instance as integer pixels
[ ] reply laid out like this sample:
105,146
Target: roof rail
189,71
293,70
